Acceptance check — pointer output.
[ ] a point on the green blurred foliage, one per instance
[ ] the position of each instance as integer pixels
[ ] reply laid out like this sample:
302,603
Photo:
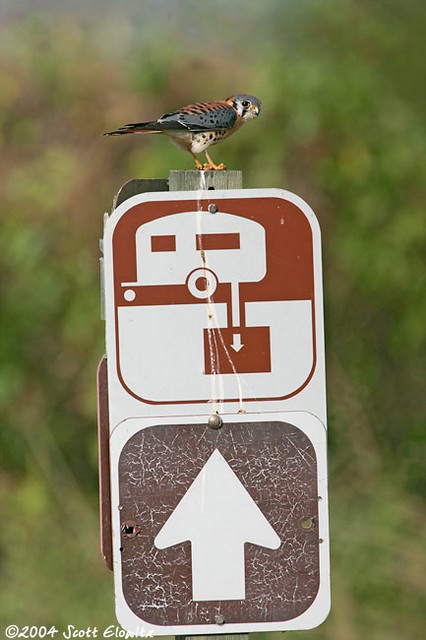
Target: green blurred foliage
343,126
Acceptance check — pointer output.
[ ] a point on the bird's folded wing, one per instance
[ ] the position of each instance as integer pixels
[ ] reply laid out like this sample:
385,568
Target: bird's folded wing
196,118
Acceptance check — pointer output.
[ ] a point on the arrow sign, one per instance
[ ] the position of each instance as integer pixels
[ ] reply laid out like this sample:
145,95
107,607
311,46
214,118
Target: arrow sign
218,516
236,342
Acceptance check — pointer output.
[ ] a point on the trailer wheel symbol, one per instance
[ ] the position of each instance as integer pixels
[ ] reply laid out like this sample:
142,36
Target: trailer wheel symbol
202,283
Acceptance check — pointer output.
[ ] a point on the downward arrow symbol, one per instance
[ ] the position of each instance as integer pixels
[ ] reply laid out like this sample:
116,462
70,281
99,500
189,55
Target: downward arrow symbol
218,516
236,342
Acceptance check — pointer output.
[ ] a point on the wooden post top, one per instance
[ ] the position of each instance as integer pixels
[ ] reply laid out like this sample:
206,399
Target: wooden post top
192,180
196,180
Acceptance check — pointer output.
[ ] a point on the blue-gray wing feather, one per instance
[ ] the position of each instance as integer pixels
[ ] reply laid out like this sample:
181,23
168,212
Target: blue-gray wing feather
201,118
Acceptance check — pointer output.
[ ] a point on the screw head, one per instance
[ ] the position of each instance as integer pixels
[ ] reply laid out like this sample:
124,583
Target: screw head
212,208
215,421
219,619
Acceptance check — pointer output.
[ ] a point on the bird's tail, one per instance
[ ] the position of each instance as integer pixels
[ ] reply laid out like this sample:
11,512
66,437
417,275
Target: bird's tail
142,127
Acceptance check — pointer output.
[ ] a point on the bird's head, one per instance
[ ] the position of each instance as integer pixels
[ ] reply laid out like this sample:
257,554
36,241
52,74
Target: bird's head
247,107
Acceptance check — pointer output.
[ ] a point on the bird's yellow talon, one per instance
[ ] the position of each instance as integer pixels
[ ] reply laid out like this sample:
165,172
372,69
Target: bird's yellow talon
213,167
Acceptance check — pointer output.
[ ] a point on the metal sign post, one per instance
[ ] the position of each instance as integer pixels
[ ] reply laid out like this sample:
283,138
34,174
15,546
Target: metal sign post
215,425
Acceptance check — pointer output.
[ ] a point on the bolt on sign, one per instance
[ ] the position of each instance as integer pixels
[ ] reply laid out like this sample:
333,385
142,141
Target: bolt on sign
214,307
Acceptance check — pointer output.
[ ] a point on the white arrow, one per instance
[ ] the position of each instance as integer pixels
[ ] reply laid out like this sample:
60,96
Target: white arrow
236,342
217,515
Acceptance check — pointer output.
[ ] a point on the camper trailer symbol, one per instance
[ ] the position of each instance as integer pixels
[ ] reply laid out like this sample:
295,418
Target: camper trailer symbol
188,248
205,337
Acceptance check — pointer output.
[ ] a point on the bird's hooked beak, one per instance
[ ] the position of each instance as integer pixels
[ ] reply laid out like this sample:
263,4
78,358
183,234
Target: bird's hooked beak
254,110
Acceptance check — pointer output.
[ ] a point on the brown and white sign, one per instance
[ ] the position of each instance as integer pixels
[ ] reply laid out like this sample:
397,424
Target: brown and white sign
214,299
213,304
221,531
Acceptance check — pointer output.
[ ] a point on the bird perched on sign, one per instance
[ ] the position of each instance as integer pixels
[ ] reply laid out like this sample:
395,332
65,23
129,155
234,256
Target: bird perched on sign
198,126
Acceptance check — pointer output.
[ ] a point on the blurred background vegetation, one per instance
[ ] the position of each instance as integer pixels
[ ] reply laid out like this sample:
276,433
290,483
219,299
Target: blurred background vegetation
343,126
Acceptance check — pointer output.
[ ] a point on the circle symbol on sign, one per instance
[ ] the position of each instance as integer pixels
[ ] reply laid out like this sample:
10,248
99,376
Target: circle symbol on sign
129,295
202,283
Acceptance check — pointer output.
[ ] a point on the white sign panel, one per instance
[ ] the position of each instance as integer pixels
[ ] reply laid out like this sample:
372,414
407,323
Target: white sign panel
220,531
221,309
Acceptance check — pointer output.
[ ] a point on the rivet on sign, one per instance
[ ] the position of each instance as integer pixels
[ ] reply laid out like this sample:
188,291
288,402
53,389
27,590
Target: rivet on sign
212,208
215,421
219,619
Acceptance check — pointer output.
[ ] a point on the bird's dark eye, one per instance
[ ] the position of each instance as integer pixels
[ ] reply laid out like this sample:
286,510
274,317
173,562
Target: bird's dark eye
245,104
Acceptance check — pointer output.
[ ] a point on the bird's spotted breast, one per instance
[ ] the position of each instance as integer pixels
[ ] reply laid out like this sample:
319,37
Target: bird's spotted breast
202,141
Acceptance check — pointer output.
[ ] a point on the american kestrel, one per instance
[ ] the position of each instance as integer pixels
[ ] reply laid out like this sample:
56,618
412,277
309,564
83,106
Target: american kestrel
198,126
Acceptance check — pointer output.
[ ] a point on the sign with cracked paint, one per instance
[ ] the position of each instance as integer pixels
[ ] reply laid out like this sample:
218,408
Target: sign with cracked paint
221,530
213,304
